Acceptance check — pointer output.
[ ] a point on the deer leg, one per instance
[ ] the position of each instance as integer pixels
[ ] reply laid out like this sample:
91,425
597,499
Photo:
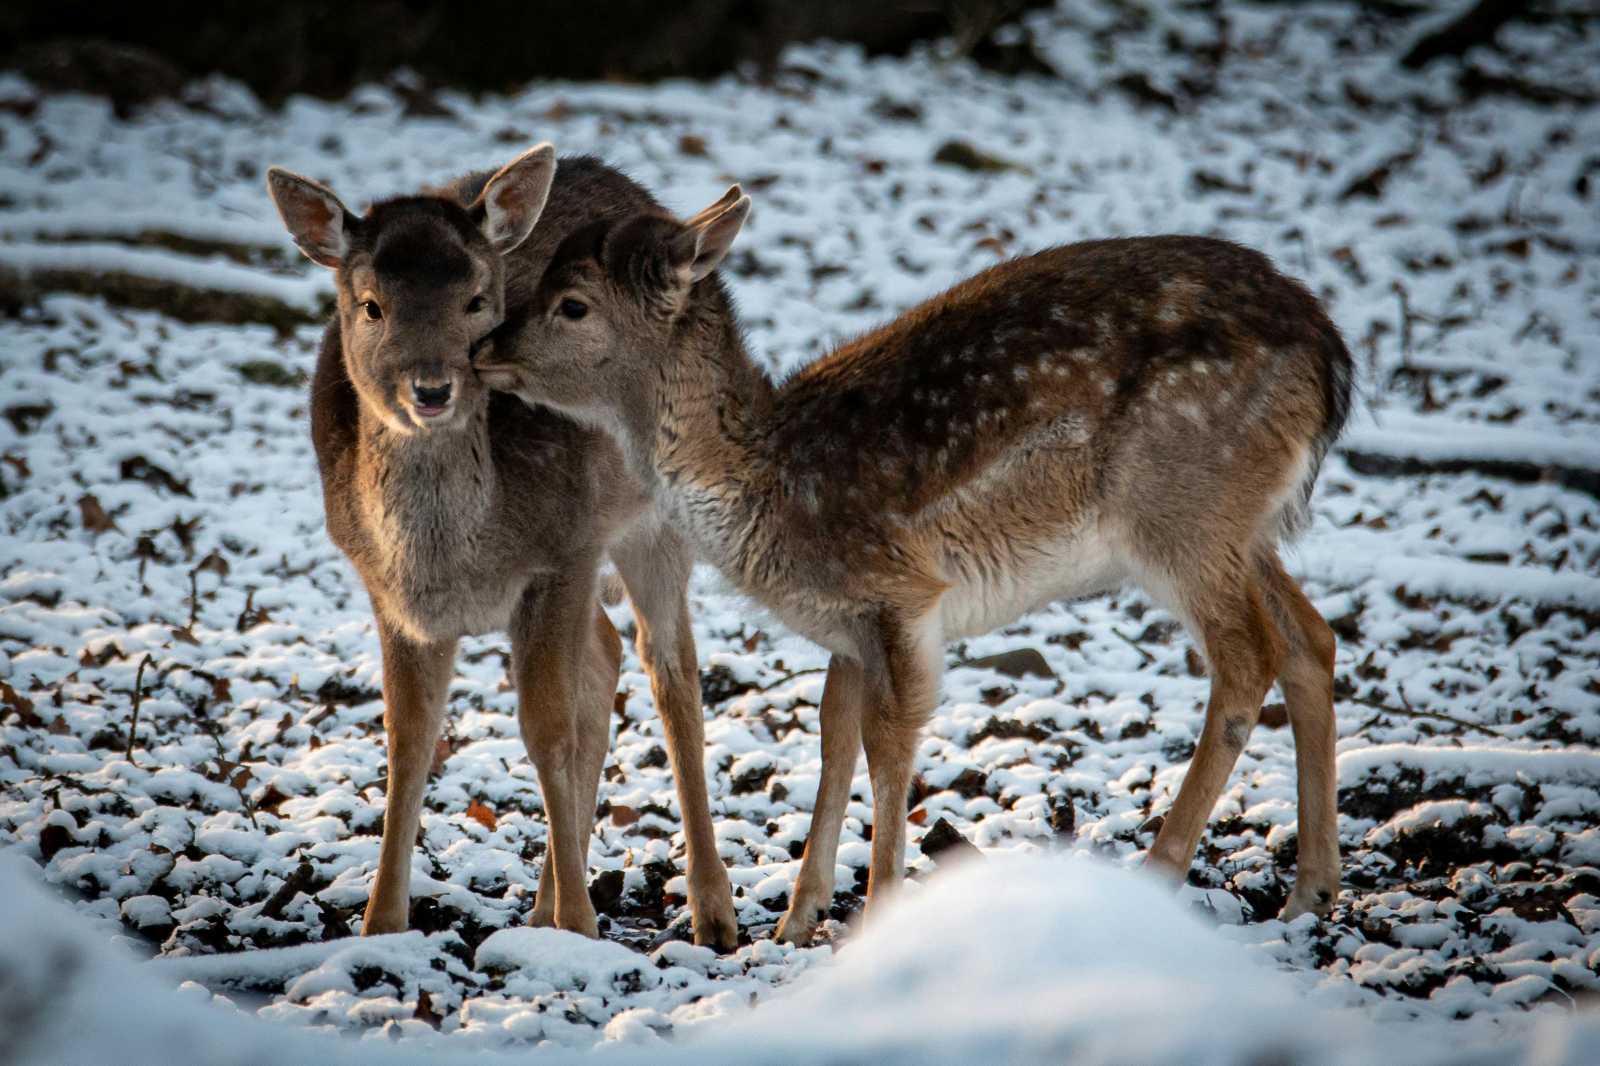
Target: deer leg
1243,649
840,725
892,724
544,902
1307,683
655,567
416,678
550,644
594,705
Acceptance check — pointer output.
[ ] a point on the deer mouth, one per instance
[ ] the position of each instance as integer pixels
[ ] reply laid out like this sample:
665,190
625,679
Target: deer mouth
430,401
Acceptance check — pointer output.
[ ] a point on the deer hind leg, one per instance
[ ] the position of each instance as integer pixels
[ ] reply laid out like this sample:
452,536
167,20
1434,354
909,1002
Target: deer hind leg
1244,650
840,721
416,678
655,568
904,696
1307,683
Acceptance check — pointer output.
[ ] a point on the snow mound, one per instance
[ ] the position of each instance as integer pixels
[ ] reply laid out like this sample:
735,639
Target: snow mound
565,960
1012,959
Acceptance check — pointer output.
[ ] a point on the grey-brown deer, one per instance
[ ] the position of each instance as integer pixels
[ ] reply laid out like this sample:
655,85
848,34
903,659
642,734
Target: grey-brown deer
466,512
1149,410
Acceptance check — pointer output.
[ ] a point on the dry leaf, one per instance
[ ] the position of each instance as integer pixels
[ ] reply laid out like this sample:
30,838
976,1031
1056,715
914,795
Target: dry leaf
214,563
481,813
918,816
95,519
22,705
271,799
184,531
623,816
425,1011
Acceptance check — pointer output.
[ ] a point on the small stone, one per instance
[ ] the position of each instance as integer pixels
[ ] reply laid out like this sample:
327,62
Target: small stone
1018,662
944,842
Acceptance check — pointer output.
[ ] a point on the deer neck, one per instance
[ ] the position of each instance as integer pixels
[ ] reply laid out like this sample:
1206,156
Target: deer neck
425,495
699,435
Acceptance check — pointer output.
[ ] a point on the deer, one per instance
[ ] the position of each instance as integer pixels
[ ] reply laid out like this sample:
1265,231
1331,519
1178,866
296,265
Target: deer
465,512
1150,411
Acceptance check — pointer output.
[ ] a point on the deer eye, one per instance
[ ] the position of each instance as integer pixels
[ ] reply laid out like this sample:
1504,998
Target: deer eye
573,309
476,304
370,310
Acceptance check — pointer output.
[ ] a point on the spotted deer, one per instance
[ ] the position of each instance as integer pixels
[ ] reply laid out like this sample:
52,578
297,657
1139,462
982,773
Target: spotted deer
1149,410
466,512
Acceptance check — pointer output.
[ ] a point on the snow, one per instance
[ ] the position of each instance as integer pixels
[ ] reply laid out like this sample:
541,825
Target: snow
1035,959
217,273
1436,437
1466,602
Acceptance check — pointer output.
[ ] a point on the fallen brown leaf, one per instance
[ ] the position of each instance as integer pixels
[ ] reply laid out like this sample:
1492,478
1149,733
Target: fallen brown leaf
213,563
95,519
483,815
425,1011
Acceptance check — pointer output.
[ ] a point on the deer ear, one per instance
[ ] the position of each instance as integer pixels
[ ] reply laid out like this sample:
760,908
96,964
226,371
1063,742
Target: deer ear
315,218
706,238
513,199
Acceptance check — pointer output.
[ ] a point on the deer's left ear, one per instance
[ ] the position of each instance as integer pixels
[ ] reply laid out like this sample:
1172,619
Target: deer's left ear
707,237
513,199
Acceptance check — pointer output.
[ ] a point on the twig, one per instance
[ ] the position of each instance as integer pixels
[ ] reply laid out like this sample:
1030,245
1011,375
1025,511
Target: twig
1148,658
790,676
138,698
1408,710
194,598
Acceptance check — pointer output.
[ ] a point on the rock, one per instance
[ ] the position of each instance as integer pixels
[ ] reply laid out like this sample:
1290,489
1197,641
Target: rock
1019,662
963,155
605,891
944,843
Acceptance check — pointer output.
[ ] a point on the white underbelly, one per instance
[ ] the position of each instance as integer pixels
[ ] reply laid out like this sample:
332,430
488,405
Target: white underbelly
984,598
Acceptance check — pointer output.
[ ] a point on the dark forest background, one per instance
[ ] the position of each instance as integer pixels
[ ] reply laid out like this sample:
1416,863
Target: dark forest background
135,52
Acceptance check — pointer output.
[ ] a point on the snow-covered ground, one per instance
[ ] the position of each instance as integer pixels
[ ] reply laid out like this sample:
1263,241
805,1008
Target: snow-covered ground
164,574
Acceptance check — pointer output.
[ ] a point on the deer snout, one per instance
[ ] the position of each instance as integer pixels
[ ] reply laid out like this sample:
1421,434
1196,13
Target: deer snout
431,397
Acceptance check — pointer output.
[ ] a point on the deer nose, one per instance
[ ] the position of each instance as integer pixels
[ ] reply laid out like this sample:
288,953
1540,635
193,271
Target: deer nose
431,396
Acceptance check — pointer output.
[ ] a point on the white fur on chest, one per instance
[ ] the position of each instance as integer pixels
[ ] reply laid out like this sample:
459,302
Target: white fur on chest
429,518
988,593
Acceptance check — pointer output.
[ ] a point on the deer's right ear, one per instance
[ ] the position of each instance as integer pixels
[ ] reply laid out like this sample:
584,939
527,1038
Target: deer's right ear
315,218
514,198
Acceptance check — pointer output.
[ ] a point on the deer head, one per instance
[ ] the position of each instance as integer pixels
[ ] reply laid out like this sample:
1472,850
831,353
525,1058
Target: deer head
609,305
420,282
